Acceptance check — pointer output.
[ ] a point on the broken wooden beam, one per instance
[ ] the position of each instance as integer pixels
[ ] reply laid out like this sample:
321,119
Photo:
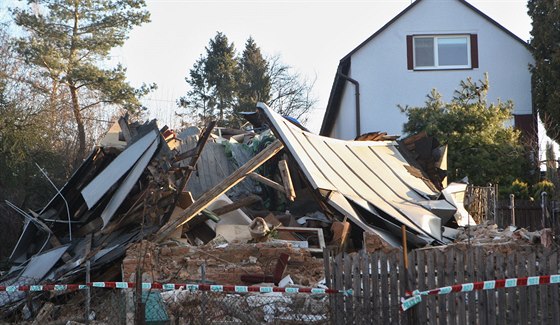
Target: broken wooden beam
261,179
127,132
211,195
194,159
286,180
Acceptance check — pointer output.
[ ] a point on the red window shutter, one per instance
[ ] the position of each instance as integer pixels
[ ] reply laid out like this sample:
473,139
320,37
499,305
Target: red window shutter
474,51
409,53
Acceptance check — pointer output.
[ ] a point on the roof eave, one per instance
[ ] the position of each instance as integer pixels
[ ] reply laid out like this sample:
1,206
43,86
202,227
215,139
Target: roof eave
335,97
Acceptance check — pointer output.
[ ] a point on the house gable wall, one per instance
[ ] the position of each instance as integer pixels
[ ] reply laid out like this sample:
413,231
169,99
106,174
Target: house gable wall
380,66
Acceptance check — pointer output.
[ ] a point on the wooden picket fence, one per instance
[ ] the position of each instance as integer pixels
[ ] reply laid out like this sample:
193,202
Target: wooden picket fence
379,280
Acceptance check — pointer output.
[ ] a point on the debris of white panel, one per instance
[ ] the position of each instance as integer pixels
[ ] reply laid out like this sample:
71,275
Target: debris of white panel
455,193
442,162
95,190
340,203
441,208
41,264
128,183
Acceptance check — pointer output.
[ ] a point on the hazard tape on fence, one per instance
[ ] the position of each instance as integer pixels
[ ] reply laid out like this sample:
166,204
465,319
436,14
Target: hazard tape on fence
483,285
172,286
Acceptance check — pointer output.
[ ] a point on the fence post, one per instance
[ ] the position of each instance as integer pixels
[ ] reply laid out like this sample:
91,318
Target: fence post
553,216
88,292
543,209
410,317
88,278
495,200
487,202
512,207
139,306
204,298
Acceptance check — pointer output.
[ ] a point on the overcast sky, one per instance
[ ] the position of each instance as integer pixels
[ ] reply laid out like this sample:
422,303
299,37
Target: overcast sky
309,35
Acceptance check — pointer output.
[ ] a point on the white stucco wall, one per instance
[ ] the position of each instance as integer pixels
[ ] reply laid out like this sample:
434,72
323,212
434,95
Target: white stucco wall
380,66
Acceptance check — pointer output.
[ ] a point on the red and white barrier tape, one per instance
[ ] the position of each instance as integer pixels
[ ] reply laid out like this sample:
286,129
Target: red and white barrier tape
170,286
483,285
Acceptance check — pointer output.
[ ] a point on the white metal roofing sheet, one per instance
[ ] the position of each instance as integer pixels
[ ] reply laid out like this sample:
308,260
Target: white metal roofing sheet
371,174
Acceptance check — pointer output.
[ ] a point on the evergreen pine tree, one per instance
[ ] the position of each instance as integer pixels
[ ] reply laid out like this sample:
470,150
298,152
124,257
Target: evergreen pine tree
255,83
480,146
70,41
545,46
222,73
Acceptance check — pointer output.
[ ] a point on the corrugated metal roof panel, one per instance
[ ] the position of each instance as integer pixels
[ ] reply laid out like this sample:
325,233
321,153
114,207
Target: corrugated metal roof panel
371,174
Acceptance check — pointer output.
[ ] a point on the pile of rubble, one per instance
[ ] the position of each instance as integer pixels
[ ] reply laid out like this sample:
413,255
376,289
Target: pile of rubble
251,206
490,234
239,263
123,192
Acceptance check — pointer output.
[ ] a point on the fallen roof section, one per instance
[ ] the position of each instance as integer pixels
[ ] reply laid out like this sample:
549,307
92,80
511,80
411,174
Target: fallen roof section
367,181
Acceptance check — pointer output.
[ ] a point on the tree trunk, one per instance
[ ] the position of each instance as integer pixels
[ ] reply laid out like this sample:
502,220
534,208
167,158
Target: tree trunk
74,93
80,124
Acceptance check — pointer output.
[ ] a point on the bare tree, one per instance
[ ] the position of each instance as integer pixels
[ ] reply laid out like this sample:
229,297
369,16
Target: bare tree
290,92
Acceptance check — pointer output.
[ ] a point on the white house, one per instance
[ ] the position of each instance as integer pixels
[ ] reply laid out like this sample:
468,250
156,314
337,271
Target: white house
430,44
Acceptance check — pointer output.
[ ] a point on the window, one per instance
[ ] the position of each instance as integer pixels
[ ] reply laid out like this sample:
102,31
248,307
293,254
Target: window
429,52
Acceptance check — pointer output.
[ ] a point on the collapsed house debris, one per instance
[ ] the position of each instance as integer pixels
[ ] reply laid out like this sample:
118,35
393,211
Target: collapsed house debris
224,263
486,233
370,183
267,201
121,193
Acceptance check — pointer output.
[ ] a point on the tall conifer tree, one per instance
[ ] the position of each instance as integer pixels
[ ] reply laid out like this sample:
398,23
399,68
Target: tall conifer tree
255,83
222,85
545,46
222,73
70,41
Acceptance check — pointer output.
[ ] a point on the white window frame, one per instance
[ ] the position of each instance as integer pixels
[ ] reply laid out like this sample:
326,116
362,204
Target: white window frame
436,65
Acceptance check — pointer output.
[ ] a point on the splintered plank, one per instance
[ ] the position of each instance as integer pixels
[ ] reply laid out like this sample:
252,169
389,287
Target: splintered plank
442,300
543,289
270,183
366,282
198,150
339,285
523,291
554,301
404,284
327,264
208,197
502,302
358,296
482,302
490,294
286,180
471,295
375,286
450,279
431,301
394,288
421,311
513,293
384,289
348,303
532,303
461,278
